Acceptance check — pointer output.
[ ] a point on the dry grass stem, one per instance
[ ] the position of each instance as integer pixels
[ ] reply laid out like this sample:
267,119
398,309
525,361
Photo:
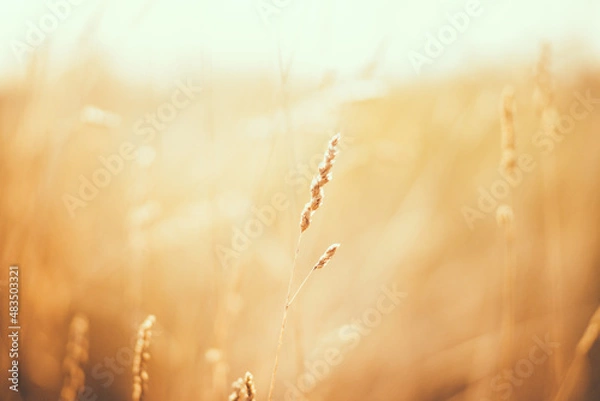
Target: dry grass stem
505,219
76,356
141,358
543,95
323,260
579,364
544,98
316,190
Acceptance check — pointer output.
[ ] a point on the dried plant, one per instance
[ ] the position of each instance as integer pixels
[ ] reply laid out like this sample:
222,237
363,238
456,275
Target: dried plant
318,182
243,389
76,357
141,358
239,391
323,260
545,106
316,199
543,95
578,366
505,219
509,156
326,257
250,388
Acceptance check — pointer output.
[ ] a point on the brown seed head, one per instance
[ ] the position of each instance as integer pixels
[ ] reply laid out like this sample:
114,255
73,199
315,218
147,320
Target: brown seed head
243,389
326,257
318,182
239,391
507,118
77,355
141,358
250,388
508,161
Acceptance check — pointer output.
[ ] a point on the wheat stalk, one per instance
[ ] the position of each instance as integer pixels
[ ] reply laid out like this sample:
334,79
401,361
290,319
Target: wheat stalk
588,339
141,358
544,103
505,219
316,199
507,121
76,356
543,95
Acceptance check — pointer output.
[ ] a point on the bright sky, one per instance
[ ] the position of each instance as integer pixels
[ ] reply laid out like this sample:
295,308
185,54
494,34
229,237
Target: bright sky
154,38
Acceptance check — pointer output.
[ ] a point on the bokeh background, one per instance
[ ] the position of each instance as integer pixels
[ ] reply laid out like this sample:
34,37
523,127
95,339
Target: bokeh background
199,225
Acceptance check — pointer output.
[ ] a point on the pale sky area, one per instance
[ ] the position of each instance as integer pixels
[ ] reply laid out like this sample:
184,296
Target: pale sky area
155,38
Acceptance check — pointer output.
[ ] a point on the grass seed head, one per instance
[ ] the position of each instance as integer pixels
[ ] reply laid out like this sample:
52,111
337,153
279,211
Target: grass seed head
318,182
326,257
141,358
77,355
509,157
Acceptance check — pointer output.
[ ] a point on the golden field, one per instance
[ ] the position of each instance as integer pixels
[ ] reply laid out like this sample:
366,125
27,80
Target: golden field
198,219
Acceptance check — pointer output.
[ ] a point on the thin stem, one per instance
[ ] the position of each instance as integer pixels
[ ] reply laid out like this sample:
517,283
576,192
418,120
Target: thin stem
552,223
283,320
508,320
299,288
570,380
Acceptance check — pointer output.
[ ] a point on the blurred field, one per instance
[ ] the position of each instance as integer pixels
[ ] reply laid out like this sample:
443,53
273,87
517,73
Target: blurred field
158,238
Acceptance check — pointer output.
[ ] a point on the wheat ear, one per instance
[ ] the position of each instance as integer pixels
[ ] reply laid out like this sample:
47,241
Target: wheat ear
141,358
243,389
505,218
507,121
250,388
239,391
590,335
76,356
316,199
